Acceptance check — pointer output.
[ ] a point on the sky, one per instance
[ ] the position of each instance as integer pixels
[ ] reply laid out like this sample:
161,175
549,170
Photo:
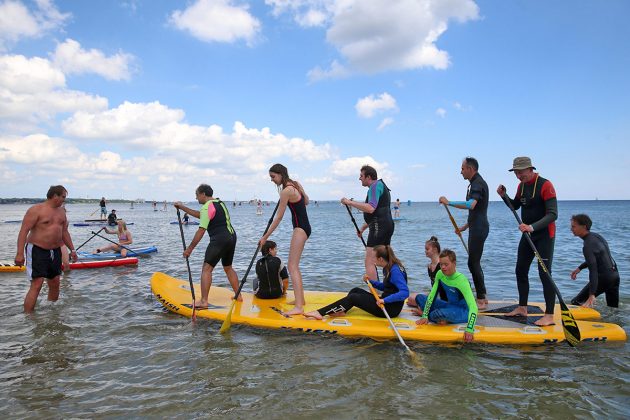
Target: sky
149,98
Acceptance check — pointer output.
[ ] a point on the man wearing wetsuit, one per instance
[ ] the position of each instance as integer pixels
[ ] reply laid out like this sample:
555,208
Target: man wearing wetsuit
603,276
376,213
112,218
537,199
477,205
215,219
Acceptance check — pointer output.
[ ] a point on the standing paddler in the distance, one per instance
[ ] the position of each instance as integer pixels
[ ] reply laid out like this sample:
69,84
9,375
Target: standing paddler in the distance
214,219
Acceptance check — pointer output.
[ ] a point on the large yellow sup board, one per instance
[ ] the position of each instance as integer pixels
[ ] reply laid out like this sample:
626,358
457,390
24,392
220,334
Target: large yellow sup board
492,324
10,267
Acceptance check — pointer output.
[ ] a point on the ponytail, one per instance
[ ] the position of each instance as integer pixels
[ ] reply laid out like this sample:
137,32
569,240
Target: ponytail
386,252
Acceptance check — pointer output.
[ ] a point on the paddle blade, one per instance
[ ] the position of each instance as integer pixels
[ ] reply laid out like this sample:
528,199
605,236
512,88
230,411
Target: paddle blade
571,330
228,319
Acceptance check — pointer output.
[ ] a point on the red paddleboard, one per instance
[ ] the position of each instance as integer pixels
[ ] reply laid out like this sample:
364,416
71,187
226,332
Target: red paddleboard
103,263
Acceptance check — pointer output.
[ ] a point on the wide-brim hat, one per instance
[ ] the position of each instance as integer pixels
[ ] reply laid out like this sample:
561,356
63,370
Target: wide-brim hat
521,162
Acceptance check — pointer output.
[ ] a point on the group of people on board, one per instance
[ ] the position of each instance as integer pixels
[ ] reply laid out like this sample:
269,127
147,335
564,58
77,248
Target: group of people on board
451,300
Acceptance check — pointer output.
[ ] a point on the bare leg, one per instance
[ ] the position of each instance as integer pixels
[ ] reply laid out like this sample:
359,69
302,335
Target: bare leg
370,268
519,311
123,252
206,282
233,279
33,292
295,253
53,289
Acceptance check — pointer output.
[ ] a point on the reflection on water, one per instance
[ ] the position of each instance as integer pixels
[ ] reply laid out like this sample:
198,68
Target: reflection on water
107,348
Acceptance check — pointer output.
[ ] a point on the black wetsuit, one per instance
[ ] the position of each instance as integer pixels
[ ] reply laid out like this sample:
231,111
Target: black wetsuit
222,235
380,222
299,217
111,219
269,272
539,208
478,228
602,271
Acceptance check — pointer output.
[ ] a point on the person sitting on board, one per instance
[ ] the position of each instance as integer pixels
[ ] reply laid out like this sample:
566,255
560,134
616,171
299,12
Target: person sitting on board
185,218
272,276
124,239
603,273
432,250
394,287
461,306
111,219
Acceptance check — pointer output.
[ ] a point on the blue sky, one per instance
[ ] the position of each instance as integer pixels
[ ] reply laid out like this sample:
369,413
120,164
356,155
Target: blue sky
148,99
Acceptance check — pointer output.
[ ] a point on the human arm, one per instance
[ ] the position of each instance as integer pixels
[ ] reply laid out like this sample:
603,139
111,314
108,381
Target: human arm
464,205
397,278
463,285
548,194
181,206
282,207
575,272
364,207
195,240
516,202
284,275
28,222
67,240
430,298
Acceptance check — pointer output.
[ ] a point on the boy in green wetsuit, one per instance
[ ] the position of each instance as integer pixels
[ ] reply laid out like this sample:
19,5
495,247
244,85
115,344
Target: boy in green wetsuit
461,306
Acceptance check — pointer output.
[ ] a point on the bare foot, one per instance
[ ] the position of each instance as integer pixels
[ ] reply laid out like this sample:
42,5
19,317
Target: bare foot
519,311
201,304
546,320
295,311
314,315
239,299
416,311
482,304
412,300
335,314
291,303
442,322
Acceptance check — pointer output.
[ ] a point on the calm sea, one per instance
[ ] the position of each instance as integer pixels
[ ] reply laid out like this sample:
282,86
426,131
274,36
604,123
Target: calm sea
108,349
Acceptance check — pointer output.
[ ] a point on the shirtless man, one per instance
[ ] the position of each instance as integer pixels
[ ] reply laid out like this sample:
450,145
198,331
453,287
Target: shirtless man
44,228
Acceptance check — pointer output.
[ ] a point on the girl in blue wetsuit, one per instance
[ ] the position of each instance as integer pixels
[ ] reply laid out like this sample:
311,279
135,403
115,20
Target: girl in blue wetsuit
293,196
393,286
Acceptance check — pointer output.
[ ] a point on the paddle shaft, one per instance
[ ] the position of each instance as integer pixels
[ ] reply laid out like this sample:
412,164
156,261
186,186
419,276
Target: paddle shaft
115,243
92,214
391,323
570,327
359,233
91,237
456,227
190,281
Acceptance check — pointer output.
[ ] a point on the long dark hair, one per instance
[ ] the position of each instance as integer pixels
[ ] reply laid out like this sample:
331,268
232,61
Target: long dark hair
282,170
387,253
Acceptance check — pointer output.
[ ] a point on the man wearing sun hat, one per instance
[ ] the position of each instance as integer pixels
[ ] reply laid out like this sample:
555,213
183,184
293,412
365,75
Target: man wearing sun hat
536,197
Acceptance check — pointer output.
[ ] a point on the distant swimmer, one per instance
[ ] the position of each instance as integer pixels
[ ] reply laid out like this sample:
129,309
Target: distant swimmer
103,206
397,208
293,196
536,197
214,218
259,209
44,228
603,275
393,286
376,213
478,227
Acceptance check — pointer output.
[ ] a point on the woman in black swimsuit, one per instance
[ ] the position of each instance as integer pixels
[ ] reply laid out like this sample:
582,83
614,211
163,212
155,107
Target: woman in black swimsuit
292,195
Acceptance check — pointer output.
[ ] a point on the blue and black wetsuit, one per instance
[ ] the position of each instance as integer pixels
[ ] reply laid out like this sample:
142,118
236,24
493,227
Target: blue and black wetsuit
380,222
478,229
395,292
602,271
539,208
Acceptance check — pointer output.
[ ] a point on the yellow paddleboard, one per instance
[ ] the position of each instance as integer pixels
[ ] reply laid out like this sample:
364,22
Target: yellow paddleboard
10,267
492,325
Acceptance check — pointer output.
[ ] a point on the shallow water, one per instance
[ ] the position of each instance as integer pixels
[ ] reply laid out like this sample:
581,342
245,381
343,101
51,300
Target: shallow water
108,349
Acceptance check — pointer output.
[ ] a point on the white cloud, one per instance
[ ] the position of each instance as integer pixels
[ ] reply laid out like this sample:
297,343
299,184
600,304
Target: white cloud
440,112
17,22
369,106
352,166
386,121
71,58
33,91
381,35
217,21
336,71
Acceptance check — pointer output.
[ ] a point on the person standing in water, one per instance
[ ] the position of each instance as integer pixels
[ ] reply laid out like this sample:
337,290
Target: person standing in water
292,195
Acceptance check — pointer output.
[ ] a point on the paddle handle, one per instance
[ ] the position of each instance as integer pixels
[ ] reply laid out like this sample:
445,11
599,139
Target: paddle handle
456,227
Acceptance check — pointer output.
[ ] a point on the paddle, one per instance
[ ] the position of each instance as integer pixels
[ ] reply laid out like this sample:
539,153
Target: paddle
116,243
570,327
92,214
228,319
456,227
91,237
190,281
391,323
359,232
